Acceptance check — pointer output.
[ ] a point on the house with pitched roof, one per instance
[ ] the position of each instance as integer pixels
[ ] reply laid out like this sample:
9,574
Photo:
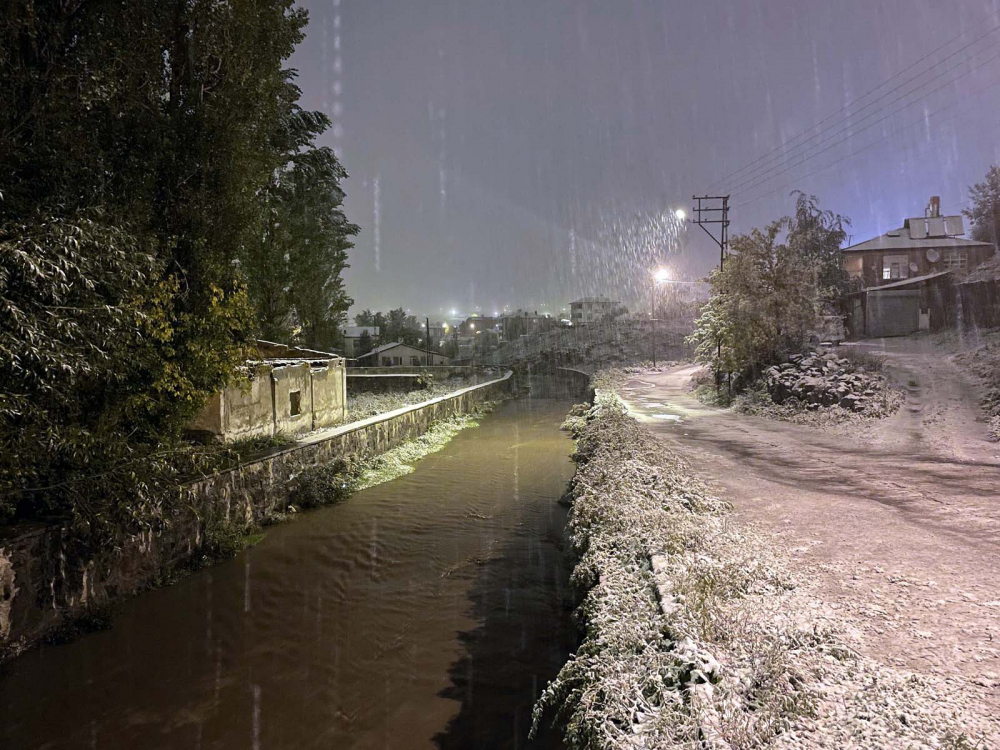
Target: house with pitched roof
904,273
924,245
401,355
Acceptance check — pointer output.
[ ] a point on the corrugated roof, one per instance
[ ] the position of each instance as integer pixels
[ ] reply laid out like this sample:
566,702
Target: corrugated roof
899,239
907,282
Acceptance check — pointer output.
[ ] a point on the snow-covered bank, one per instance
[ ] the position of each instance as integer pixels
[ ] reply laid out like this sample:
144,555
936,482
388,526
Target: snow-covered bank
715,643
983,361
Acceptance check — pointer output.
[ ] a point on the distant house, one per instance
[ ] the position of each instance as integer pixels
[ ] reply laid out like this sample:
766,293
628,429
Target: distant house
401,355
477,323
924,245
905,274
352,334
512,325
592,309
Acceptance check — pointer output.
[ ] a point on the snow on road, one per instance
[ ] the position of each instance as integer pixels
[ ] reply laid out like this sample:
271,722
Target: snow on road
899,520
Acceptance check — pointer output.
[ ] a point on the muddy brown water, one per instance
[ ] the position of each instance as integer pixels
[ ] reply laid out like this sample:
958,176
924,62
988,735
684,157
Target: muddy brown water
426,612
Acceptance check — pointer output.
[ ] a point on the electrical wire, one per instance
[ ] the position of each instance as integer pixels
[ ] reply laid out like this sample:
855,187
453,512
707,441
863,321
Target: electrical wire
851,155
854,101
853,134
769,173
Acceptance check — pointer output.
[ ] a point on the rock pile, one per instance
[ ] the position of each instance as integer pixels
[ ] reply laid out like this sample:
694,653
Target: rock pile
822,378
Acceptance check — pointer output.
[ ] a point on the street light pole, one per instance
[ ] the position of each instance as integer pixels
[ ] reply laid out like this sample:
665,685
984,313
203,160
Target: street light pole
652,318
660,276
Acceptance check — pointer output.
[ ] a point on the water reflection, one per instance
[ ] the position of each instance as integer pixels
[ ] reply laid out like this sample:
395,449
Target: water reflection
426,612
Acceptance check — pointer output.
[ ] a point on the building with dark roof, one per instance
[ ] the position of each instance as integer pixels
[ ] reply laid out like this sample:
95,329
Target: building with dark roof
923,246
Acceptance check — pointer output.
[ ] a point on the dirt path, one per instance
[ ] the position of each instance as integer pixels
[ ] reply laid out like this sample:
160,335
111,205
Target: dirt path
901,519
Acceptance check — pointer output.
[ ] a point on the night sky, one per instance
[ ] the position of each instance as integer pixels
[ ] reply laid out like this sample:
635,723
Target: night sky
526,152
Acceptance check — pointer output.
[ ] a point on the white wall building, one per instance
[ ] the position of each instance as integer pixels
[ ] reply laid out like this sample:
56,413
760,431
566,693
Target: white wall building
591,309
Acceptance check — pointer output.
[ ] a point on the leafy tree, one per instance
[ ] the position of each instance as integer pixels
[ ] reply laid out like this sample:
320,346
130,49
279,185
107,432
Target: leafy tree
817,236
295,267
396,326
763,305
137,147
365,344
985,211
365,318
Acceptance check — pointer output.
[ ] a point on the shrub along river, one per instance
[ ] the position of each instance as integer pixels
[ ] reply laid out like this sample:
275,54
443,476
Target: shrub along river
426,612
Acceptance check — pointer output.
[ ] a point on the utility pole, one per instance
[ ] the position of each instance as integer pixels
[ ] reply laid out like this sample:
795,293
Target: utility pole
705,212
652,318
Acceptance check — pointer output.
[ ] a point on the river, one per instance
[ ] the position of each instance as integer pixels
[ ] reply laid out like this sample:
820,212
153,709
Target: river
426,612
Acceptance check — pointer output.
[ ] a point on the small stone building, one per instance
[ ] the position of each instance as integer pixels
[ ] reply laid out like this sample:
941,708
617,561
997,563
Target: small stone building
282,395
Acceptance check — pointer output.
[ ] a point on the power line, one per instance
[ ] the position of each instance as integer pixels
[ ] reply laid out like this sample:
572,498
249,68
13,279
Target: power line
867,93
851,155
853,134
851,125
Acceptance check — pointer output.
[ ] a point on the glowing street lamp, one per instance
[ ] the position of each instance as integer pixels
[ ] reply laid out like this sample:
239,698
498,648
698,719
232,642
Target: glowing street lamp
660,276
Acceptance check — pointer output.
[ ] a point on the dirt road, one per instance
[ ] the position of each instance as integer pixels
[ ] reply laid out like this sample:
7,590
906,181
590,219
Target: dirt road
900,519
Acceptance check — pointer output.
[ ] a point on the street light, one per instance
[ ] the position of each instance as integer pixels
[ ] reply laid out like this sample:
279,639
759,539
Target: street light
660,276
680,214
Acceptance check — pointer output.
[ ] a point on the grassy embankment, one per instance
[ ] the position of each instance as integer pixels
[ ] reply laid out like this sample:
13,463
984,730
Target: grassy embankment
696,633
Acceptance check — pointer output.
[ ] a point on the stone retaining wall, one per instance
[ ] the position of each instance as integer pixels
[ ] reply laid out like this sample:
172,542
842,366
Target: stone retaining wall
47,579
578,381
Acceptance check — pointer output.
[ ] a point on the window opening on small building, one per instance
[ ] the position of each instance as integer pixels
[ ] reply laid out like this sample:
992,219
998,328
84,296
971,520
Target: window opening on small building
295,402
895,267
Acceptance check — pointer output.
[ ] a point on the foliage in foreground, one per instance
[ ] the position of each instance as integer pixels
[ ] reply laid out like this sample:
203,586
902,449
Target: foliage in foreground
144,155
714,644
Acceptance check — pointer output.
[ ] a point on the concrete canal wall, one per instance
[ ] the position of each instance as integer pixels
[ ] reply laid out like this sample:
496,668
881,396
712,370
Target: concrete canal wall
48,578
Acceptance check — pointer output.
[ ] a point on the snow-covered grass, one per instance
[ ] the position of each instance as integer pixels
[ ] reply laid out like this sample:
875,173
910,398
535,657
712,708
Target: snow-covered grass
365,405
338,479
697,635
984,362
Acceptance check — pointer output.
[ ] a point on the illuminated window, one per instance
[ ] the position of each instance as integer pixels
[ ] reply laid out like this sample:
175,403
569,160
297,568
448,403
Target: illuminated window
895,267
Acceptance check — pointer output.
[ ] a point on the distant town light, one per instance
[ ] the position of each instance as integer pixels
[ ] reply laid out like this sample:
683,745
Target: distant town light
680,214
